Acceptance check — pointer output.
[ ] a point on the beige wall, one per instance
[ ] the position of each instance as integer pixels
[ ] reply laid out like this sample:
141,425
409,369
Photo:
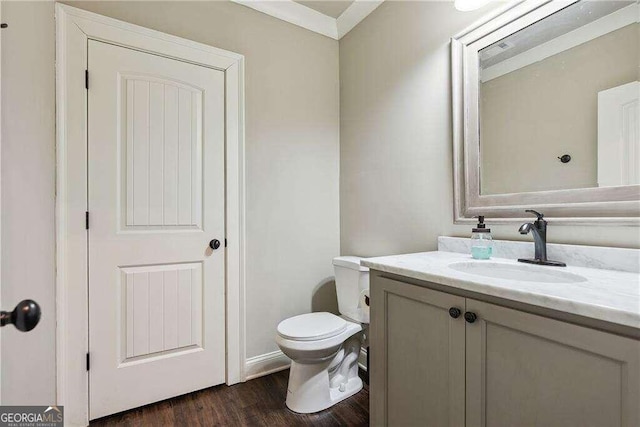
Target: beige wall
534,115
396,182
292,163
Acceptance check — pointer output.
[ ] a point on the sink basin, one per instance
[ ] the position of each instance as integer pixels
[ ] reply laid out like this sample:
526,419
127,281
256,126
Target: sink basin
522,273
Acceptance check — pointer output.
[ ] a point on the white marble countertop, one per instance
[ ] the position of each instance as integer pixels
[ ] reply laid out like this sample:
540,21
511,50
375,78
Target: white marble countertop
612,296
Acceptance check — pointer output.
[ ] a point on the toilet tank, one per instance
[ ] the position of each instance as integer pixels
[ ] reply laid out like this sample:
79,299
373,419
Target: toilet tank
351,280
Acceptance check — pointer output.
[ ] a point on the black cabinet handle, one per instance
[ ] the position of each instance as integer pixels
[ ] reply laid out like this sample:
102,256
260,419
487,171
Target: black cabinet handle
470,317
455,312
214,244
24,317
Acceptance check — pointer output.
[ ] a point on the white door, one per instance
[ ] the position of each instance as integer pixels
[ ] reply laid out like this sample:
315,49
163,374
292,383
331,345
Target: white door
156,200
619,135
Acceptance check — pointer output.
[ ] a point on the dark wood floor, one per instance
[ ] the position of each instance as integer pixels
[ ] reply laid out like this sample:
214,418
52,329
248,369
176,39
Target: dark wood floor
258,402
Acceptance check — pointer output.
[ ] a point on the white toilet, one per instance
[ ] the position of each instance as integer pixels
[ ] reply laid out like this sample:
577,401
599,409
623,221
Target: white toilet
323,347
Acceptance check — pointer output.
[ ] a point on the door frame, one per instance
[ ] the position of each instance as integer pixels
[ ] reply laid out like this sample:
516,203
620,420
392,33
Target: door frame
74,28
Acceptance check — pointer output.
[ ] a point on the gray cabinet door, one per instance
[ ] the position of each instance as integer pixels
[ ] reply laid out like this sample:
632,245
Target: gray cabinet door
417,356
527,370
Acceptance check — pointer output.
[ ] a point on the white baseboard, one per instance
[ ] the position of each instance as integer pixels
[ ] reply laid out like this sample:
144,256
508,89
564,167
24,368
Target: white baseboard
266,364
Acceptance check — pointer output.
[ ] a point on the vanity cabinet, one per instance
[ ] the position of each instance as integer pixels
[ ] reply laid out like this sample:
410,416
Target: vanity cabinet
432,367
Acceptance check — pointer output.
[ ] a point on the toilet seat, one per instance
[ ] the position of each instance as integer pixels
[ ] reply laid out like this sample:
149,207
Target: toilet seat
312,327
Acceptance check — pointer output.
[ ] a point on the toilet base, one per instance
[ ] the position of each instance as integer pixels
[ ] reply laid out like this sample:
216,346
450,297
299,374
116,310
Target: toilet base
317,386
309,391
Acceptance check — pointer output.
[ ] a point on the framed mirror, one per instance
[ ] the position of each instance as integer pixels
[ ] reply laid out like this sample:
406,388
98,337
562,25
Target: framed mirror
546,113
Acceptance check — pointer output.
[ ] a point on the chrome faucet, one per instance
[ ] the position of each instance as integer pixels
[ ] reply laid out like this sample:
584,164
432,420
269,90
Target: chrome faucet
539,230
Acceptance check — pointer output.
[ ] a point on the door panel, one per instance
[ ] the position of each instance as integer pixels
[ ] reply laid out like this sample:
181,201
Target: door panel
417,356
162,120
163,308
156,199
528,370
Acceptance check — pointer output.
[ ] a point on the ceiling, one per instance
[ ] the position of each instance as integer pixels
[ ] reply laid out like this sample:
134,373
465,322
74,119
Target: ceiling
332,8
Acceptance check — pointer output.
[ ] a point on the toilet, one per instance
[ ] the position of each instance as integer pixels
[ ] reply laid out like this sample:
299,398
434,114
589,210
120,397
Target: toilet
323,347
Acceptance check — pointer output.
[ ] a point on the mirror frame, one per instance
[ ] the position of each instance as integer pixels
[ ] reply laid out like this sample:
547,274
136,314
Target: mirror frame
598,205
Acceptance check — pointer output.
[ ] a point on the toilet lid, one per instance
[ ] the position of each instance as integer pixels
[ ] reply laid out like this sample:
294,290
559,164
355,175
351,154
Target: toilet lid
312,326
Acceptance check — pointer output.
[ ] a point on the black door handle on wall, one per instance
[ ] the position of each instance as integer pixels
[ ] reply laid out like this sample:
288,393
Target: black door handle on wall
214,244
24,317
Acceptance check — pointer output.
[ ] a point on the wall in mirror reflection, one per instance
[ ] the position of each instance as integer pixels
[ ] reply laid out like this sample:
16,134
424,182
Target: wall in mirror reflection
568,84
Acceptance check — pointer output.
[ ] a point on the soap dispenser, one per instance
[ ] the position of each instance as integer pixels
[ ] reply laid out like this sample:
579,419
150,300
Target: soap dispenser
481,241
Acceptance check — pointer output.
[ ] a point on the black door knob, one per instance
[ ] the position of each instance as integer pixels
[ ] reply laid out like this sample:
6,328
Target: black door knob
214,244
470,317
24,317
455,312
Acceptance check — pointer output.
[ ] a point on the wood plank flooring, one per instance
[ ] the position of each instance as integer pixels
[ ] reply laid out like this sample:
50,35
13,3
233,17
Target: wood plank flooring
259,402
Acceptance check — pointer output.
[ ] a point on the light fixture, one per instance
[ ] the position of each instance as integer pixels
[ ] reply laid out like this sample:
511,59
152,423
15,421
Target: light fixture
467,5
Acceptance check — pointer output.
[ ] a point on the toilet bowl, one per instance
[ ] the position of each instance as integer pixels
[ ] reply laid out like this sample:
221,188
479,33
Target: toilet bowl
324,348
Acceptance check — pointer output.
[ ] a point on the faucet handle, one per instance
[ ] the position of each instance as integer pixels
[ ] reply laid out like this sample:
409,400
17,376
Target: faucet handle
538,214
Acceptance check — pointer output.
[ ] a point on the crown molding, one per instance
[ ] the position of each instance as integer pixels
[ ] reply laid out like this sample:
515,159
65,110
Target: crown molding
305,17
354,14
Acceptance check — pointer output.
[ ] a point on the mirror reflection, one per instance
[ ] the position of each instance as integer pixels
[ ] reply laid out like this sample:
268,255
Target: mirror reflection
560,102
